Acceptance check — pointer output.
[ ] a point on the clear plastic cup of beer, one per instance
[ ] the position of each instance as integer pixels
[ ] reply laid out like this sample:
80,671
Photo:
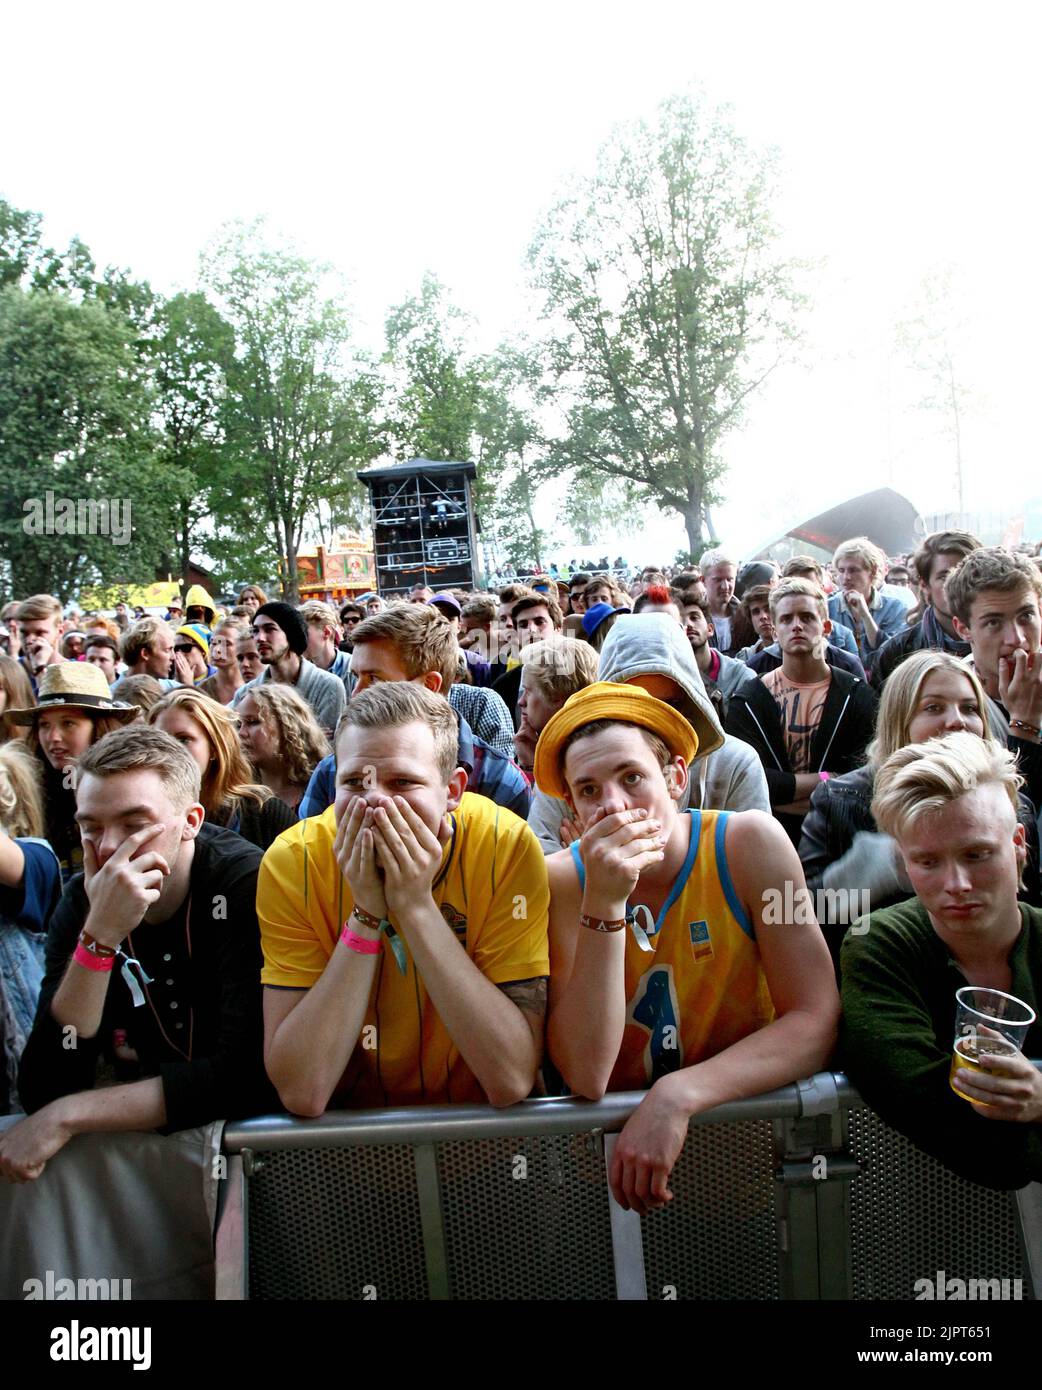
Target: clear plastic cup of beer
988,1022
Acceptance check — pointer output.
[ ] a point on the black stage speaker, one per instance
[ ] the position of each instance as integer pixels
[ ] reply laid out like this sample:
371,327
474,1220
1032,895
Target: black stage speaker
424,525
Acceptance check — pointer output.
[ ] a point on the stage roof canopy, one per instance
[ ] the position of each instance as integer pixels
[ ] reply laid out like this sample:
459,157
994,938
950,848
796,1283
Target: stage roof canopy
884,516
408,468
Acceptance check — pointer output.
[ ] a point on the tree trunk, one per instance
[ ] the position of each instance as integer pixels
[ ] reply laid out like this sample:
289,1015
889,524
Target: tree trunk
290,591
535,534
186,548
692,515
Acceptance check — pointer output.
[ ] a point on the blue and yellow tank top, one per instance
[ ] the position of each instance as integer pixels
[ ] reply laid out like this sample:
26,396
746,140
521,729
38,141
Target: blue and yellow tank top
701,987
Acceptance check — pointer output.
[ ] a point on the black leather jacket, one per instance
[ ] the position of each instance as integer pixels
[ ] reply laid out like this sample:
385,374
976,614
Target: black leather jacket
897,648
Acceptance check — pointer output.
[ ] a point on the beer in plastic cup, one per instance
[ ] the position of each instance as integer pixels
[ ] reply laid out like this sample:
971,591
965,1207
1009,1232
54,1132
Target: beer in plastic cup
988,1022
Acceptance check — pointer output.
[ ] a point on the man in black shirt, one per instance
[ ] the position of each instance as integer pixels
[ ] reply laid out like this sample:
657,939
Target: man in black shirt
158,938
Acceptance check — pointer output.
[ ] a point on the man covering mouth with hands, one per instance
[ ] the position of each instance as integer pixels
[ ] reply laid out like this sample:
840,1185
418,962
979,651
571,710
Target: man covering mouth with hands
667,970
369,1000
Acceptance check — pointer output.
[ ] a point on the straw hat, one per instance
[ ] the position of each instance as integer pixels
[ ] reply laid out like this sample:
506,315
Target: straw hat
73,685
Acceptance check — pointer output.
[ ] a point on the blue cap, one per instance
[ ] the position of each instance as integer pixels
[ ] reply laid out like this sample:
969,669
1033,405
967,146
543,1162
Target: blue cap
593,617
446,601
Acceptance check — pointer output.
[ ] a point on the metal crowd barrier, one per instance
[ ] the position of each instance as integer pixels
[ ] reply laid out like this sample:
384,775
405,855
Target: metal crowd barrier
802,1193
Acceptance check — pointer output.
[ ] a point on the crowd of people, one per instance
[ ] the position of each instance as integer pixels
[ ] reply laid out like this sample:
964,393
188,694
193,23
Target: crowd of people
460,846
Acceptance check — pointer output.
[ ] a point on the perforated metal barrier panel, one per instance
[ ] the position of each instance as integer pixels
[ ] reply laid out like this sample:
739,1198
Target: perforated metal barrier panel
718,1237
910,1219
470,1203
526,1218
336,1223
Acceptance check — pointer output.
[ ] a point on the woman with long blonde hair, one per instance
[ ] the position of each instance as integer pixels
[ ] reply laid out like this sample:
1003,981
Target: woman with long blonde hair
16,692
282,738
210,733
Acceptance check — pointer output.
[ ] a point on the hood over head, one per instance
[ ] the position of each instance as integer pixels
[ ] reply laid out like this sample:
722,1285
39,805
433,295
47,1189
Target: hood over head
197,597
654,644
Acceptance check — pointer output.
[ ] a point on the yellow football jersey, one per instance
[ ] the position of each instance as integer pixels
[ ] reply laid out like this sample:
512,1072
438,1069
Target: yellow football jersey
491,890
701,987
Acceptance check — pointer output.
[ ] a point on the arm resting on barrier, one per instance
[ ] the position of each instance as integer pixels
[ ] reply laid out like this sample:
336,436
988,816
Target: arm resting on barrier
489,1002
309,1035
26,1148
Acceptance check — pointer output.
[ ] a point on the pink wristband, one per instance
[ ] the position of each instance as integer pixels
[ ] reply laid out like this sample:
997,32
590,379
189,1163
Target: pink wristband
89,960
354,942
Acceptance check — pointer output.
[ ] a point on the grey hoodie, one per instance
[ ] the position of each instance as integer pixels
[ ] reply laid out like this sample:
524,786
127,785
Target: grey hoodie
728,774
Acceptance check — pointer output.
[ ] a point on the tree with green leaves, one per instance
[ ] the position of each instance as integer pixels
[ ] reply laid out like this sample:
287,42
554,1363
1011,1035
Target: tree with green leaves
668,306
25,261
188,345
511,453
75,423
301,412
449,404
19,243
437,385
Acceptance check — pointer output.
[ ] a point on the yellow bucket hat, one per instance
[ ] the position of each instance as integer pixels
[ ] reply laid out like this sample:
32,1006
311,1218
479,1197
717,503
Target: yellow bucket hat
627,704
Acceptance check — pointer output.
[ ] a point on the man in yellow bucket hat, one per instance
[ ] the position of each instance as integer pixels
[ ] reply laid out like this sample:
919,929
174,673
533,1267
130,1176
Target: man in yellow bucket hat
669,966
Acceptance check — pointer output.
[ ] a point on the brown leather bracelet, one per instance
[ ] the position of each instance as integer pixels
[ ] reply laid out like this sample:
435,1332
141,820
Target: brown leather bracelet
366,918
605,924
95,947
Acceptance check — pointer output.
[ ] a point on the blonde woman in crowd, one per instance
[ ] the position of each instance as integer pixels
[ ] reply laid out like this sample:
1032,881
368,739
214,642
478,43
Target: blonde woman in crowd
16,692
282,739
210,733
929,695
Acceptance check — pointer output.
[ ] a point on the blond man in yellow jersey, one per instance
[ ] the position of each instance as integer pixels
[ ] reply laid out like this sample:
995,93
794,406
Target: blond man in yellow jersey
369,999
663,971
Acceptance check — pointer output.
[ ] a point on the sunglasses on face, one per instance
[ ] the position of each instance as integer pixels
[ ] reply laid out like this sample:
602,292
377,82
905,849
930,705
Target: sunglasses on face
185,651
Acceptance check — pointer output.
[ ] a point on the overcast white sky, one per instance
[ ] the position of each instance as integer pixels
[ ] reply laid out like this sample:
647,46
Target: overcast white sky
431,137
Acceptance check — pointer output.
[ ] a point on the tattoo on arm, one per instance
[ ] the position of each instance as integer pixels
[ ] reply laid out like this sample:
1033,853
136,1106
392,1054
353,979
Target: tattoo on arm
528,995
